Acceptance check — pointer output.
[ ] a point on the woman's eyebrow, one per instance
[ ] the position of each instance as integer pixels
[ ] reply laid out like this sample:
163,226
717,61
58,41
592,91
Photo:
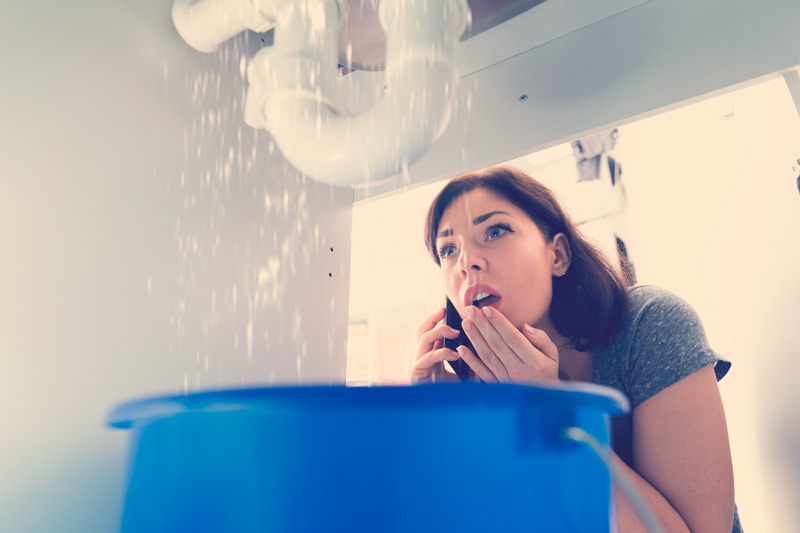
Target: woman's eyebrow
480,219
484,218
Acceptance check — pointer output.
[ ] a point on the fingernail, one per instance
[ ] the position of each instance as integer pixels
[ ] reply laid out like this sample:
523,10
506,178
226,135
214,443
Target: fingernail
454,330
458,351
530,329
488,312
466,325
471,311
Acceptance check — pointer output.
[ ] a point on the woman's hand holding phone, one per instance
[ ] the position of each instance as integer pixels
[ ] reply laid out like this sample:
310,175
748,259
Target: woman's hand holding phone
429,363
504,354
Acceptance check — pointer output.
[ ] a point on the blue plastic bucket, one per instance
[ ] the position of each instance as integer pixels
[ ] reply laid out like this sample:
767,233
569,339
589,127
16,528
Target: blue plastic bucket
463,457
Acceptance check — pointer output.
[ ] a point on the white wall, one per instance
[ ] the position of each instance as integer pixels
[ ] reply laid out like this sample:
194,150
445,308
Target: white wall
715,216
394,285
119,278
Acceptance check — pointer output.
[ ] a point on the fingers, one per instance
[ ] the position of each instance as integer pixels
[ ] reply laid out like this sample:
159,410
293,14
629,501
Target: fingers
509,354
423,368
489,344
501,352
430,354
541,341
503,332
429,338
429,323
477,366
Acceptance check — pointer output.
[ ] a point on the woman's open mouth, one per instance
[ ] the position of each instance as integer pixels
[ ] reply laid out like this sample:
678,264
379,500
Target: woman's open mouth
484,299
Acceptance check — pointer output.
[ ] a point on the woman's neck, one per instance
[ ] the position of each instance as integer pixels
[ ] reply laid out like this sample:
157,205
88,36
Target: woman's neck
574,365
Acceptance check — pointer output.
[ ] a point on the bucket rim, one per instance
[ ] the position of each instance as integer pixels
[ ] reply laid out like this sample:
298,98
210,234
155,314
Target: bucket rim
575,395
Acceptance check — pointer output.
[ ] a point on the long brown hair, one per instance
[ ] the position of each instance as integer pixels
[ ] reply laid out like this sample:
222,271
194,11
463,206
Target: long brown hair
591,299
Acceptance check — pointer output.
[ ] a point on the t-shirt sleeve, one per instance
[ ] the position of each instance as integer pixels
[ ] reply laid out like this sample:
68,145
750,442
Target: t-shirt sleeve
668,343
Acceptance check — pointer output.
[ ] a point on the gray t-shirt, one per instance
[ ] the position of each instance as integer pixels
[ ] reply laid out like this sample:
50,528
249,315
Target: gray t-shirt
661,342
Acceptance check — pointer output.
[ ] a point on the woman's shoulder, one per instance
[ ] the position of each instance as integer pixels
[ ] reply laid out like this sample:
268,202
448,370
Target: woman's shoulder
660,321
661,342
655,311
650,302
647,295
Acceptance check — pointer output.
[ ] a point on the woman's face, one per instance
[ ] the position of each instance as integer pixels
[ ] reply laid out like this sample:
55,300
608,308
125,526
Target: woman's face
492,253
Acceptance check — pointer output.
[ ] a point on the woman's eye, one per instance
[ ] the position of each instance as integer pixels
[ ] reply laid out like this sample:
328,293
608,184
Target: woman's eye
496,231
447,251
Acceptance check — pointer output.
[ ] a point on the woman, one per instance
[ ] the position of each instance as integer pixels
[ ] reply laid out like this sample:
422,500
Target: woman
540,302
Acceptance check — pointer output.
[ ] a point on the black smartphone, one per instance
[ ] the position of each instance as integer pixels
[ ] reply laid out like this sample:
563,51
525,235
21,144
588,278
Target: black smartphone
453,319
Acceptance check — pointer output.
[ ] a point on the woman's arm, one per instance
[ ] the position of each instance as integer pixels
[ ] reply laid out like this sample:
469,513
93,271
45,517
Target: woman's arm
682,459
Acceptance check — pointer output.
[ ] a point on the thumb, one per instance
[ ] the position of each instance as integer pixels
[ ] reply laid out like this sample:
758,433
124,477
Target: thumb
541,341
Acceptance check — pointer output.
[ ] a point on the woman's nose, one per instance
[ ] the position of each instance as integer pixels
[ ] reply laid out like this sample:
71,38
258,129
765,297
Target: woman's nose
470,260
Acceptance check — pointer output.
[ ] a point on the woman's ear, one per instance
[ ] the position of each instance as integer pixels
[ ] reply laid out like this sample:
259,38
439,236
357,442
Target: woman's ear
562,255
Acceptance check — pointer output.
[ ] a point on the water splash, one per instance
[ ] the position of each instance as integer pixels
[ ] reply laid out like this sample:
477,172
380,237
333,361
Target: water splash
247,238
